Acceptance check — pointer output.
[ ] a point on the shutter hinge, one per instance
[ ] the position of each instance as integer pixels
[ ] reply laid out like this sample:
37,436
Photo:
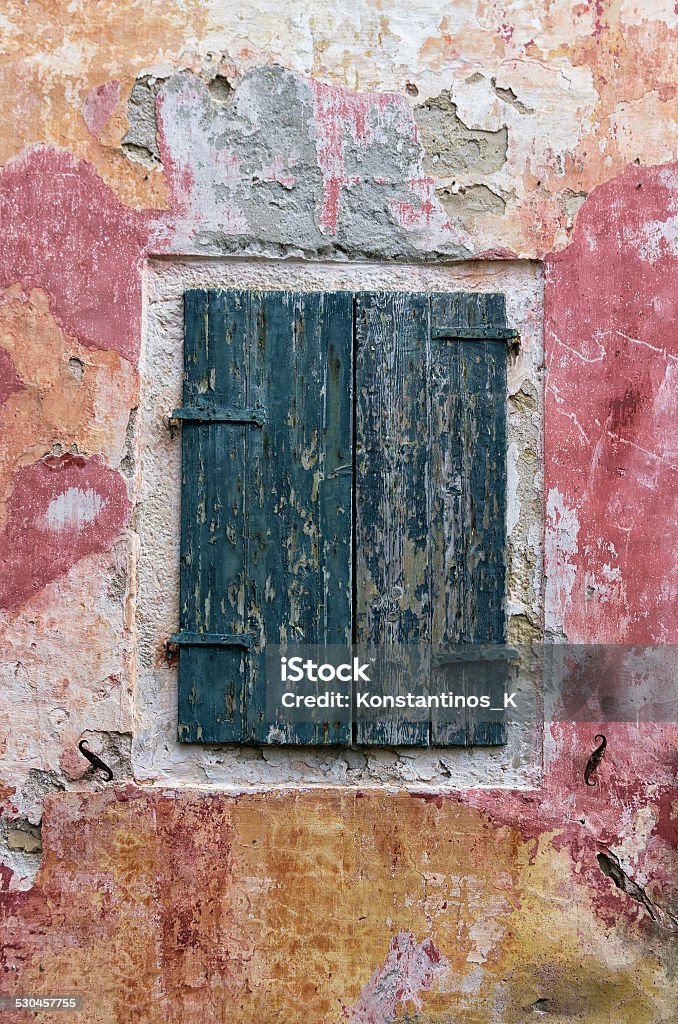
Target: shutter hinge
217,414
475,334
188,639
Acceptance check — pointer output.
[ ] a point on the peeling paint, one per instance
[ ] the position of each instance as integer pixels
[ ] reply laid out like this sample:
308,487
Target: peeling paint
72,509
409,969
66,233
225,902
100,104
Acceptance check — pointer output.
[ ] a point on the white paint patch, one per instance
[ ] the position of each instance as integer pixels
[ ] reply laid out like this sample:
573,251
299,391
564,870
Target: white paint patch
73,509
512,479
410,968
562,529
657,239
487,930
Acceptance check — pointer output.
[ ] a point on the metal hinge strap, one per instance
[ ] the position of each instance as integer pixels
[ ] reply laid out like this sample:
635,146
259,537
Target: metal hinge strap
186,639
219,414
474,333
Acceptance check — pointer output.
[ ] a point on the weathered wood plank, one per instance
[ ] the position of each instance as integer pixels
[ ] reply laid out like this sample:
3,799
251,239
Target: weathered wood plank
300,507
431,493
212,681
468,504
392,523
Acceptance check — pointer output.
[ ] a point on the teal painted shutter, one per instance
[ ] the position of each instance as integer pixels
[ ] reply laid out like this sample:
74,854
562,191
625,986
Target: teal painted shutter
266,502
268,487
431,494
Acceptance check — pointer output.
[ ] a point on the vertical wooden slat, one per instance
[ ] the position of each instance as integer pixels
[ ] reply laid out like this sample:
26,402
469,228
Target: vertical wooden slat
392,518
300,511
267,513
212,680
468,481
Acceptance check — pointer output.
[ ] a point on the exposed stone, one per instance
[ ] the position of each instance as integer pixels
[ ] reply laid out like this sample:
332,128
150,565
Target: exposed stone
220,89
538,1006
524,399
77,367
140,142
464,204
20,850
24,838
451,147
573,202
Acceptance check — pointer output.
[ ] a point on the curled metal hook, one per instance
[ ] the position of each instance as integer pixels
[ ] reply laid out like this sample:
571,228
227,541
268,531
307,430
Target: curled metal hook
595,759
94,759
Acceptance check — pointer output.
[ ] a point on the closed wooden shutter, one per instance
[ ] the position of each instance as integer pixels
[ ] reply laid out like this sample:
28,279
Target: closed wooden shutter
292,530
431,497
266,501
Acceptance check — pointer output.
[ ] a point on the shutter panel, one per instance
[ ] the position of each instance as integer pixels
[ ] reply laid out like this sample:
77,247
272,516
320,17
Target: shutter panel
267,482
266,502
431,494
468,504
393,582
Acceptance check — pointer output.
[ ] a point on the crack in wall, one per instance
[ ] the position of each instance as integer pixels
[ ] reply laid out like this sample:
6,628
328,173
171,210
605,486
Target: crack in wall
611,867
508,96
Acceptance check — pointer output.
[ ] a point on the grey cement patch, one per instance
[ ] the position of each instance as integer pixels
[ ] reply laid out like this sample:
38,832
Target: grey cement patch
467,203
282,165
157,757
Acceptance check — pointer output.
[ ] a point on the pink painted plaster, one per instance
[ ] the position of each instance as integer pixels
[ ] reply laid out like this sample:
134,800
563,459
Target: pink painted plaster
99,105
64,231
61,509
611,304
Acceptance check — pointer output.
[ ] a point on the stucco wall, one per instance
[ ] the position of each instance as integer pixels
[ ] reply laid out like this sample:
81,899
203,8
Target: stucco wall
142,134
